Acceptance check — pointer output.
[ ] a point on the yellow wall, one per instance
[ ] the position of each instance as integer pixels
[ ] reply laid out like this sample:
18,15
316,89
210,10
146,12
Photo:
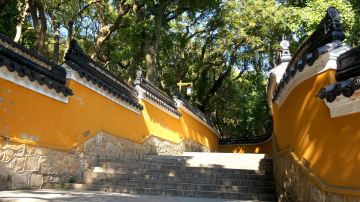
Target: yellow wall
193,129
331,145
262,148
51,123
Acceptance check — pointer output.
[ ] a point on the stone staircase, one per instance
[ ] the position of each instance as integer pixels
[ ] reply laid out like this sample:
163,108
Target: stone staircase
206,175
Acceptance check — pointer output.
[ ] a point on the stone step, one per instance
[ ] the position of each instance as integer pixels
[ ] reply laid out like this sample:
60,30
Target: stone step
186,186
159,166
211,158
167,192
110,168
214,155
225,160
214,175
218,182
180,159
181,176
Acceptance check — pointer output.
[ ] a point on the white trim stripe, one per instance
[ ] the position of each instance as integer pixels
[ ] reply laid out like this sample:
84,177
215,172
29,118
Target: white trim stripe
183,108
13,77
342,105
160,107
325,62
73,75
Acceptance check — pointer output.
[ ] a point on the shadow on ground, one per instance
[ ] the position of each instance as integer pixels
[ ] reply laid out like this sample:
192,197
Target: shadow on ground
90,196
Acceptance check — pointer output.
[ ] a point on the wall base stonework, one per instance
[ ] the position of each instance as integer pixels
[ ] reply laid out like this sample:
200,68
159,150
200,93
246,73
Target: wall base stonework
160,146
24,166
292,184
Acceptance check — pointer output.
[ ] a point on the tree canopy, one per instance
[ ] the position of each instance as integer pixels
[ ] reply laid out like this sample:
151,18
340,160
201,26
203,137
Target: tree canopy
225,48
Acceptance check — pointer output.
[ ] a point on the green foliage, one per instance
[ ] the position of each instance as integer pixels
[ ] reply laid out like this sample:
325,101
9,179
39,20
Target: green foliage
315,11
9,16
225,48
72,179
246,111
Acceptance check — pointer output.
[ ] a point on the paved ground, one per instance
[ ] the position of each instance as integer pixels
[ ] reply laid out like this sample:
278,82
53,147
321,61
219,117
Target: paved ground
69,195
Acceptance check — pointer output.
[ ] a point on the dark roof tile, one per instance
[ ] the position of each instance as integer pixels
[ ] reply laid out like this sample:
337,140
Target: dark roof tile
27,63
156,95
328,30
94,72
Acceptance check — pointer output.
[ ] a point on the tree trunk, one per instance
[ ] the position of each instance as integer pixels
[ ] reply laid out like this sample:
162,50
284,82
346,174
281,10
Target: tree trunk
152,44
23,7
217,85
104,34
56,53
42,27
220,80
70,33
138,11
39,22
107,29
150,61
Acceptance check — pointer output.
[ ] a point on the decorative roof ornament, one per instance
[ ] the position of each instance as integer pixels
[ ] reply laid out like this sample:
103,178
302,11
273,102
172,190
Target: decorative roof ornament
153,94
333,13
139,77
285,55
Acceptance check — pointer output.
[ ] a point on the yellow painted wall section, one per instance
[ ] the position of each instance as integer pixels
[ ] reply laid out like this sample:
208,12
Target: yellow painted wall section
262,148
331,145
29,117
194,130
161,124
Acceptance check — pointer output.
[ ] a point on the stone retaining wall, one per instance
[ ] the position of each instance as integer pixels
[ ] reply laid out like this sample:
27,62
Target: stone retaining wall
24,166
292,184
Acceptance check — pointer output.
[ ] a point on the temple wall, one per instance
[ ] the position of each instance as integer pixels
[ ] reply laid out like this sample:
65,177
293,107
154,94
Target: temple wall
261,148
326,144
195,130
56,122
31,118
316,156
295,182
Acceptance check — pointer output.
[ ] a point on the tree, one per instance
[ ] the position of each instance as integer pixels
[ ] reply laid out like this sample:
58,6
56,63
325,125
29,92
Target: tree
37,12
106,27
225,48
9,14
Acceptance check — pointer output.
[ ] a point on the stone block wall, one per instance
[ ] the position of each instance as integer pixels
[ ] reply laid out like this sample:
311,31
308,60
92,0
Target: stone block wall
25,166
293,184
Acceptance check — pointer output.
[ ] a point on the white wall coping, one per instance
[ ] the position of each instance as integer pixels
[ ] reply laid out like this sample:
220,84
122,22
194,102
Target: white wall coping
141,96
325,62
183,108
74,75
35,86
342,105
279,71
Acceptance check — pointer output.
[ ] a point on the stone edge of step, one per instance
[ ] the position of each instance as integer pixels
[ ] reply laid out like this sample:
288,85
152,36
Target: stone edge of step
105,188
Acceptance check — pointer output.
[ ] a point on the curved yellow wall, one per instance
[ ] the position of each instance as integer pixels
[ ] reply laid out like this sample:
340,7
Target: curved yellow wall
261,148
330,145
29,117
